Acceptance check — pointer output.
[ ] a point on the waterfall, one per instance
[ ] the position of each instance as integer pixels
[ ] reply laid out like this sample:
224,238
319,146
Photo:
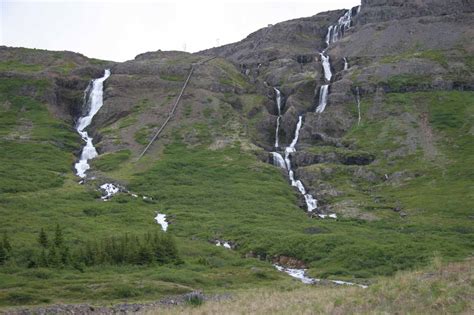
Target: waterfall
94,102
358,104
328,36
323,98
311,203
336,32
293,143
278,103
277,131
278,160
326,67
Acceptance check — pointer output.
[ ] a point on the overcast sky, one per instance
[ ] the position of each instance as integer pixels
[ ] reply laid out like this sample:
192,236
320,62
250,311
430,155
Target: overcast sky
120,30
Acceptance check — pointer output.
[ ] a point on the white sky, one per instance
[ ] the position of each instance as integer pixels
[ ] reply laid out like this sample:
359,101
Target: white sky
120,30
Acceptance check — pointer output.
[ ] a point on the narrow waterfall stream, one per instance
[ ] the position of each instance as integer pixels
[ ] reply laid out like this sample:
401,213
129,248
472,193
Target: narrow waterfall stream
301,275
277,131
326,66
323,98
334,34
358,105
311,203
285,163
94,102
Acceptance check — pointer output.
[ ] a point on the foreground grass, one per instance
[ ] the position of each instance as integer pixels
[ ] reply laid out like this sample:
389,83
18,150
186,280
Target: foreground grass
440,289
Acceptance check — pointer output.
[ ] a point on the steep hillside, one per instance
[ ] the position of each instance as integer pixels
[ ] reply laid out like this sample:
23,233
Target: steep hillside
373,122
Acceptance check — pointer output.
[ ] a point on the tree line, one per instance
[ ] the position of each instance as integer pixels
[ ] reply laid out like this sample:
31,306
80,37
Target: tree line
53,251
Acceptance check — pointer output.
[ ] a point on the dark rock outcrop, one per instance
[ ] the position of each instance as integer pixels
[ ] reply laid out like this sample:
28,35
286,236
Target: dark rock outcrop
376,11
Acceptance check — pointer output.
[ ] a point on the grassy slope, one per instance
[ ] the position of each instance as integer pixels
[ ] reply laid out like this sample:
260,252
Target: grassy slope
440,289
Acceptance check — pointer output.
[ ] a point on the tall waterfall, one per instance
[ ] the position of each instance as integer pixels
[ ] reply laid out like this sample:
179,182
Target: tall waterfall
335,32
278,103
94,102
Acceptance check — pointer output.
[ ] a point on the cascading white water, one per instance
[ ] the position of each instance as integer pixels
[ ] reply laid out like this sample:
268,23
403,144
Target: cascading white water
109,190
161,220
326,66
225,244
358,104
323,98
311,203
336,32
94,102
278,160
328,36
278,103
300,274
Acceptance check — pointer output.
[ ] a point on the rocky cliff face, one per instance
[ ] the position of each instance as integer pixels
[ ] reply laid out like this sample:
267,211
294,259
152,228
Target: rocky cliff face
376,11
67,75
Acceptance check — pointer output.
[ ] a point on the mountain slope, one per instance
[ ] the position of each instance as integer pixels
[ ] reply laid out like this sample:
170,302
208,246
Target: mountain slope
399,180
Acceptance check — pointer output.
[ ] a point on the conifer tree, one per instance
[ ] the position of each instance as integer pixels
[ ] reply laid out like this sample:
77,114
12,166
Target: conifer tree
6,242
58,236
3,254
43,239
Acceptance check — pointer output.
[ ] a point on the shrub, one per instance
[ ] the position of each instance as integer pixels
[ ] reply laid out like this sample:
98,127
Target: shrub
194,298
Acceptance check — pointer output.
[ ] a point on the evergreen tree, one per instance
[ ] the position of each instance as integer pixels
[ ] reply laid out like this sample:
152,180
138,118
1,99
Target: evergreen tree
6,242
65,256
53,257
43,261
43,239
3,254
58,236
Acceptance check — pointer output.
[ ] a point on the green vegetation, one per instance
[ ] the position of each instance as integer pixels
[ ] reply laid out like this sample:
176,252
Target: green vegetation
149,248
143,135
111,161
13,65
169,77
406,81
231,75
434,55
439,289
